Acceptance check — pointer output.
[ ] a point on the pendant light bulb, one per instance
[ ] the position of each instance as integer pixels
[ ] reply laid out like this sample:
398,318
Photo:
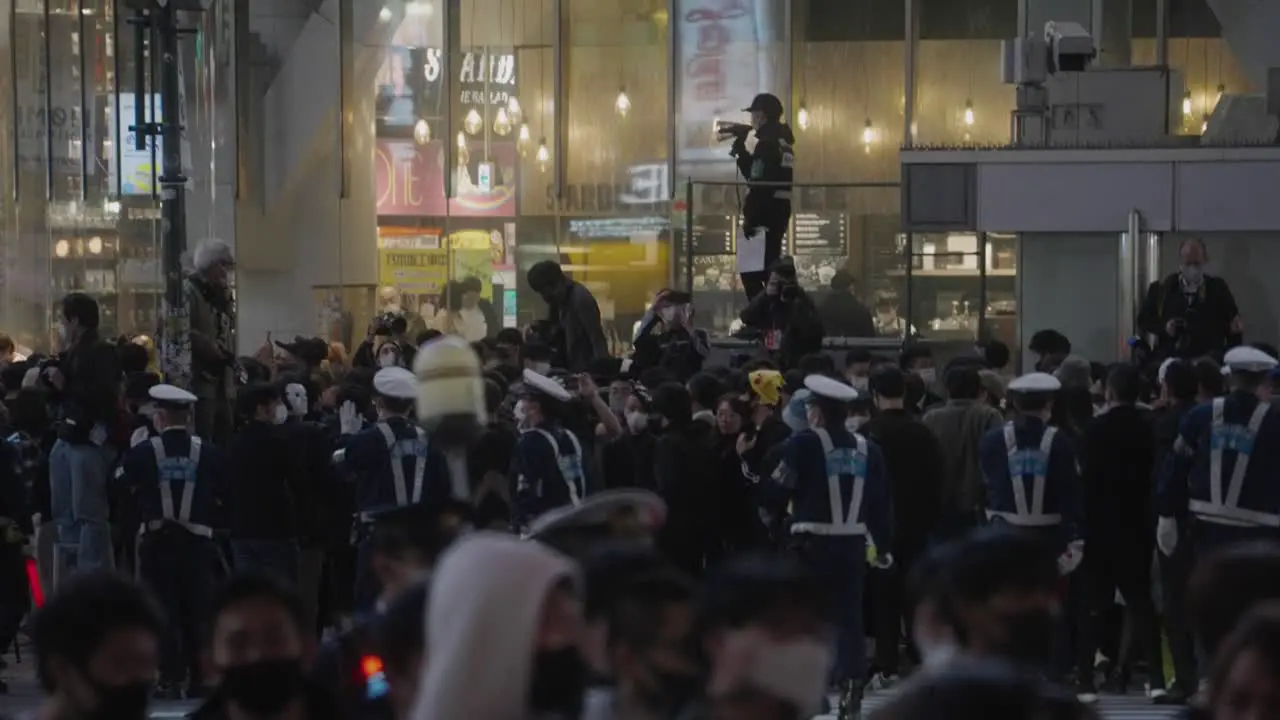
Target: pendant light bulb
802,117
623,104
421,132
543,156
502,122
868,133
1186,103
472,123
968,113
513,108
522,139
1222,90
1204,123
384,15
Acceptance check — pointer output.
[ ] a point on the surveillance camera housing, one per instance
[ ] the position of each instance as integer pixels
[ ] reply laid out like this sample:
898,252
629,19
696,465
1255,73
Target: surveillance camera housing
1071,47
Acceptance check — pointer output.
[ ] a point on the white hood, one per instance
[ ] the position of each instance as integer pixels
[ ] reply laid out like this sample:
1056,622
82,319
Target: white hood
482,620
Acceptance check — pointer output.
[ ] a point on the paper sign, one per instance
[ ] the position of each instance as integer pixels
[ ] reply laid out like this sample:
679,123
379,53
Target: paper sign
751,251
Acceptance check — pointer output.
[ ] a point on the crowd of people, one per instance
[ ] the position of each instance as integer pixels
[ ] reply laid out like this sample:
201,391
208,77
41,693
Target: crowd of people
652,537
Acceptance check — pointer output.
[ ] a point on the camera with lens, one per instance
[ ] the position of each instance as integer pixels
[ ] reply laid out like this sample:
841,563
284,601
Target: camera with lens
735,130
788,292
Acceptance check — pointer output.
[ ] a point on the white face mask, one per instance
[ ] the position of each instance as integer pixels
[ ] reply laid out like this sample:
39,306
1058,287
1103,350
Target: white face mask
281,415
388,359
520,413
928,375
296,397
637,421
542,368
854,423
795,672
860,383
1192,273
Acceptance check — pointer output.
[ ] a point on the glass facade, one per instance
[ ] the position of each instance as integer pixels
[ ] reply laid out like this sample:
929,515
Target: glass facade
505,132
78,195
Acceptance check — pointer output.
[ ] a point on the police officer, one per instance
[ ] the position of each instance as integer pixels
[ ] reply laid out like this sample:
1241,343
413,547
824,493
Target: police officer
839,492
392,462
548,463
1224,464
178,482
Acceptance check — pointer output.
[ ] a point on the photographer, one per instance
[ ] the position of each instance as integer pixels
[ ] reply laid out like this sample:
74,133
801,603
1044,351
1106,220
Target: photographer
766,207
85,380
785,316
387,328
1190,313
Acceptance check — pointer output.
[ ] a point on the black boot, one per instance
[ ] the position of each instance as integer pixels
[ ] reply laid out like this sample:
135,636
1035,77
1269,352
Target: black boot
850,700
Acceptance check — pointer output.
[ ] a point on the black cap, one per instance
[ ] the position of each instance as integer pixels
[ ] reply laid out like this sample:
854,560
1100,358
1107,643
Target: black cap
766,103
311,351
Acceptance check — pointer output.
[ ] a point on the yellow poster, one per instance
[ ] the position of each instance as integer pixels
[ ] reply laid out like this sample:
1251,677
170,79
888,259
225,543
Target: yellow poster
473,257
418,272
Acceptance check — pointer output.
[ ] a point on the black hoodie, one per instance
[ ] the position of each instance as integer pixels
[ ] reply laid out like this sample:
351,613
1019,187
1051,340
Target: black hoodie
772,160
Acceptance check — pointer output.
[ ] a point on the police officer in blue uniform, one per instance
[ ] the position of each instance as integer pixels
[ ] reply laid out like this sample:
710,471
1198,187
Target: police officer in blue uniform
548,465
1031,474
178,482
1224,471
392,463
838,486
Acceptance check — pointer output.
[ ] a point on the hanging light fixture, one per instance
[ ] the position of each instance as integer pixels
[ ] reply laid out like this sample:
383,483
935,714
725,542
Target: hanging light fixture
421,132
623,104
543,156
522,139
802,117
868,133
384,15
1186,103
1222,90
472,123
502,122
513,108
968,113
464,157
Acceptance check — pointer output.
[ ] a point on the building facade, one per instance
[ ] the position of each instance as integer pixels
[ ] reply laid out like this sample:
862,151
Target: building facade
361,154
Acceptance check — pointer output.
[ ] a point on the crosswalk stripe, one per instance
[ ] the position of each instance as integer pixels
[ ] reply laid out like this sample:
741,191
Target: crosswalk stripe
1110,707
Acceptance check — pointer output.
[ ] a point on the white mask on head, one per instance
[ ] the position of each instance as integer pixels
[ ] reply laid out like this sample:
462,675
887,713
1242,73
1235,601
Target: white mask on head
637,421
519,413
281,415
295,396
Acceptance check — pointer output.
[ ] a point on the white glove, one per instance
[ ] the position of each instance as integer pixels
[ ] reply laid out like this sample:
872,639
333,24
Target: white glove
348,419
1167,535
882,561
1071,558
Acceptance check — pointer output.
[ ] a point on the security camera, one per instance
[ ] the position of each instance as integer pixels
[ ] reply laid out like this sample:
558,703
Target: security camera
1071,47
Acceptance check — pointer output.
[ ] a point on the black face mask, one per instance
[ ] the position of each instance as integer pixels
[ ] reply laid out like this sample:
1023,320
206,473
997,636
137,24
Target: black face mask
559,679
121,702
264,687
1028,637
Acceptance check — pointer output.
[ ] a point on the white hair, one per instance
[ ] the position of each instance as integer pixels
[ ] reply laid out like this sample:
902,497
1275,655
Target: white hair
210,252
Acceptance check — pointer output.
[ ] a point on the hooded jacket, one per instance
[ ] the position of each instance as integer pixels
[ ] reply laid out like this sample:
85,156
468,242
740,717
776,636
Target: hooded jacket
482,622
772,160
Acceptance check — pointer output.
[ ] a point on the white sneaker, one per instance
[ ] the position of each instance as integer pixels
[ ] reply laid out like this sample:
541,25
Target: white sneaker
882,681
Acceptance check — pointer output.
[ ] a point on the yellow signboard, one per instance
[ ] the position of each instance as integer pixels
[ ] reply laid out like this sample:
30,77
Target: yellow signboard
419,272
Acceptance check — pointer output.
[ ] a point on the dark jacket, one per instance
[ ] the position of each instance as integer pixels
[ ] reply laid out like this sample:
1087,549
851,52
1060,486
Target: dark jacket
90,391
797,321
320,704
1165,428
322,513
261,478
844,316
580,334
680,352
1115,455
959,427
1207,314
914,460
213,340
772,161
685,463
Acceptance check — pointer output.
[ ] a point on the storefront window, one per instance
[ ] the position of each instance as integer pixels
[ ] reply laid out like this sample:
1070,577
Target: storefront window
960,99
87,213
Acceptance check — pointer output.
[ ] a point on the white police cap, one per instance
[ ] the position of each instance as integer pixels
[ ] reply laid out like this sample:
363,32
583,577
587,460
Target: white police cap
1036,382
171,395
1248,359
543,385
599,509
830,388
396,382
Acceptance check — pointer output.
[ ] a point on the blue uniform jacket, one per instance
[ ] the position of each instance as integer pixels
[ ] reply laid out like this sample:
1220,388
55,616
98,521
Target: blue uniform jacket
1187,482
1059,505
140,474
803,479
367,457
547,475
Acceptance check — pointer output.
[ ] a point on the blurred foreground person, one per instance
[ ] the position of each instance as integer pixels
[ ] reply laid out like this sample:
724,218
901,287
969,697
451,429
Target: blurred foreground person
1244,683
762,629
988,690
391,677
259,651
97,649
505,643
609,516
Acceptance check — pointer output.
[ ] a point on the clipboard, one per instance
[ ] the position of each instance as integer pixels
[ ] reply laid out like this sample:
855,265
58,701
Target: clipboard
750,251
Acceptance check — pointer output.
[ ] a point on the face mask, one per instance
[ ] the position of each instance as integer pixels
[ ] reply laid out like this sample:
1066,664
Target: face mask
147,409
854,423
262,688
1029,637
387,360
795,672
1192,273
637,421
668,314
296,397
559,679
542,368
860,383
519,412
281,415
121,702
928,375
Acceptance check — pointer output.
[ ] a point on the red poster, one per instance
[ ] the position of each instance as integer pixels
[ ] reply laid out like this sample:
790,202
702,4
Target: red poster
409,180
